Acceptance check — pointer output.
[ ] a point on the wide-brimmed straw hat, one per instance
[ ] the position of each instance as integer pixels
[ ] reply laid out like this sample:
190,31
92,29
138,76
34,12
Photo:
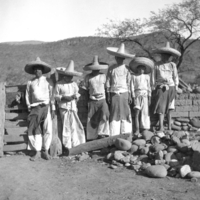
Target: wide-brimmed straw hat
168,50
120,52
148,63
29,68
69,70
95,65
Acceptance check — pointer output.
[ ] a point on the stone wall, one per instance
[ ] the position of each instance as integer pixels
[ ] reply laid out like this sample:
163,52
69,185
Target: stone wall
187,107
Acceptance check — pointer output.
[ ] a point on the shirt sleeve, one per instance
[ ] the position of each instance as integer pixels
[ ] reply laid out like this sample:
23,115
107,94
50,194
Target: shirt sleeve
175,75
28,94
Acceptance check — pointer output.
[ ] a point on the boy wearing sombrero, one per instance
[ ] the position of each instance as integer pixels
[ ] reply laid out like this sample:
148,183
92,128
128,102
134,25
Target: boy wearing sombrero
66,95
165,80
141,91
98,113
118,92
39,100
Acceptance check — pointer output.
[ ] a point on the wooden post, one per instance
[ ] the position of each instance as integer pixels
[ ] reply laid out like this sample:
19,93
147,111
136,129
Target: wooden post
2,115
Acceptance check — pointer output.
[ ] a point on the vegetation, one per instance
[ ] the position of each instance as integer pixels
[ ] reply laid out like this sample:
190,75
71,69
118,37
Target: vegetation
179,23
13,58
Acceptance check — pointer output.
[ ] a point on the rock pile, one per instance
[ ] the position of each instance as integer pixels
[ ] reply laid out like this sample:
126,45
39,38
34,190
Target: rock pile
172,154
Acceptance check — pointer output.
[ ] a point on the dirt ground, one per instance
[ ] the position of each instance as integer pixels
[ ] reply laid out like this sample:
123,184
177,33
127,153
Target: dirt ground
64,179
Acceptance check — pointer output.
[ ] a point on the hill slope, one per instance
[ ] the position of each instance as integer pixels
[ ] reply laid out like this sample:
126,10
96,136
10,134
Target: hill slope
14,57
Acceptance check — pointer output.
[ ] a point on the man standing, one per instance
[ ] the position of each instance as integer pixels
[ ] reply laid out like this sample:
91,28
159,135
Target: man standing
118,92
98,113
165,82
39,102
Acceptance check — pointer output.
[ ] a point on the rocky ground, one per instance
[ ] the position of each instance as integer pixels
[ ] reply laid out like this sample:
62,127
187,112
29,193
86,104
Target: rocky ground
91,178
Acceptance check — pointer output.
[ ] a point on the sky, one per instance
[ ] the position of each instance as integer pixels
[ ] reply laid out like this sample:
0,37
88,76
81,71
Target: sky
53,20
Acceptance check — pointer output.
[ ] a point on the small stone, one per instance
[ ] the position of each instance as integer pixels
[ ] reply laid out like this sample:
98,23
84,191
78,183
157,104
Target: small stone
174,163
157,147
172,149
127,165
184,170
125,159
177,123
113,166
159,155
110,156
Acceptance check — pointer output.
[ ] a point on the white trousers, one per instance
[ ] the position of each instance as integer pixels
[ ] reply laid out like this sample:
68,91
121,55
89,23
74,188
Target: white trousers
120,127
73,132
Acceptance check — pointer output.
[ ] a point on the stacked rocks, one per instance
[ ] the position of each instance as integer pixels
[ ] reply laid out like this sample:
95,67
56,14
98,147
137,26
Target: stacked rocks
184,124
173,155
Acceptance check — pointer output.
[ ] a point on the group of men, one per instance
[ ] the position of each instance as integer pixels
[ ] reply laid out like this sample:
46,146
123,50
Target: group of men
110,97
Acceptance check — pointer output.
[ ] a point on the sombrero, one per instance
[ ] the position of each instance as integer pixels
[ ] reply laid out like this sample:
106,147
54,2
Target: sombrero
95,65
29,68
149,64
168,50
69,70
119,52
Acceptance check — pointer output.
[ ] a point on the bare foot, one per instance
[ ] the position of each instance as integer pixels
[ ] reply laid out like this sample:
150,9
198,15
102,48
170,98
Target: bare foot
35,157
45,155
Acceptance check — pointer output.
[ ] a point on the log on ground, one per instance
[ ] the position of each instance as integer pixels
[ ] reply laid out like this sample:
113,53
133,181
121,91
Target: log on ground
95,144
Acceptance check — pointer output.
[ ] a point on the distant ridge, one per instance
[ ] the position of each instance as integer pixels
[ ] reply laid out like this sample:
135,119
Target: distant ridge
23,42
14,56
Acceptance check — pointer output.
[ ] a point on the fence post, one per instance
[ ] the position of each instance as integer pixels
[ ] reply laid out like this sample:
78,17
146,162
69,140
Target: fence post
2,115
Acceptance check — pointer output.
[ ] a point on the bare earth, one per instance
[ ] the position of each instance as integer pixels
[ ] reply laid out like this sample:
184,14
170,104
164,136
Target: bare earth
62,179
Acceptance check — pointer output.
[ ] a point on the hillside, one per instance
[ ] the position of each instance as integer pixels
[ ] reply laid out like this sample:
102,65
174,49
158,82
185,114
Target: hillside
14,57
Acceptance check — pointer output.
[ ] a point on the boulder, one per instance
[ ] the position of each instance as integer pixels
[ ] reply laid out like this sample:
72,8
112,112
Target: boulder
139,142
175,127
110,156
169,156
118,155
172,149
174,163
184,170
182,119
177,123
157,147
193,174
147,135
144,150
156,171
195,122
182,147
133,149
122,144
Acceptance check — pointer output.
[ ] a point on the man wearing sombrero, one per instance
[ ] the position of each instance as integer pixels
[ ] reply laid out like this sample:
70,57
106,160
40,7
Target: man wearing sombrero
98,113
40,102
66,95
141,91
118,92
165,80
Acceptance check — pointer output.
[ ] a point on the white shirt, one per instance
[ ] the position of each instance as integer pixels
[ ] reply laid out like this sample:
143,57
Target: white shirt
39,90
118,79
66,89
95,85
140,85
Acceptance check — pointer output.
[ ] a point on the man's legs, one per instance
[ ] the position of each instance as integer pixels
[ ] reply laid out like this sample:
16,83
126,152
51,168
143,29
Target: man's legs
137,125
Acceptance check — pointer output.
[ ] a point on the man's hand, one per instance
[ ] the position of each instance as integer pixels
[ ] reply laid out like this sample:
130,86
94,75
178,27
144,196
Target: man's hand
129,98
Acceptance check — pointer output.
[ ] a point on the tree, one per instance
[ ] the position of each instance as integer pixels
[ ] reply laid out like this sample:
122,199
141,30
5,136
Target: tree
179,23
